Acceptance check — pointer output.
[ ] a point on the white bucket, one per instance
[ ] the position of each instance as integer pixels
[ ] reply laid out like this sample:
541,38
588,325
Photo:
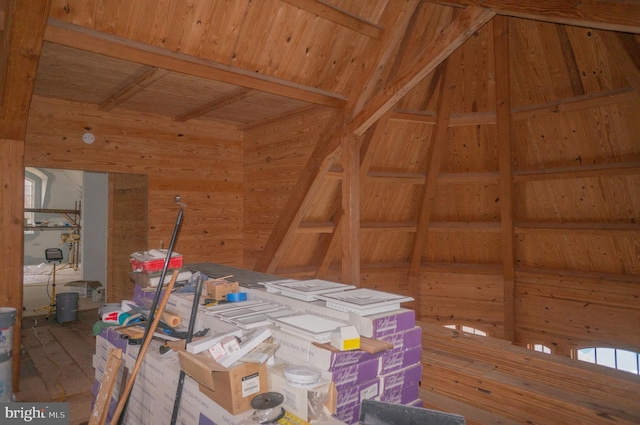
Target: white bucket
7,320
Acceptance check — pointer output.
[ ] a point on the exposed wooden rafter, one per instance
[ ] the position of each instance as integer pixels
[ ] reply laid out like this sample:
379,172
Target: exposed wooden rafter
452,37
339,16
86,39
228,99
614,15
146,78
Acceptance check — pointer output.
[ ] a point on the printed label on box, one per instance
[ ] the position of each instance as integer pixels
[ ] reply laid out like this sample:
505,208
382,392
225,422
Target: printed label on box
250,385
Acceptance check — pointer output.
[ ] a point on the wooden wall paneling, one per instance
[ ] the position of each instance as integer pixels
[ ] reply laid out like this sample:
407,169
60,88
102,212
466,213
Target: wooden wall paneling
195,159
317,166
463,299
617,15
479,246
386,246
127,231
467,202
12,237
435,155
274,157
472,148
23,24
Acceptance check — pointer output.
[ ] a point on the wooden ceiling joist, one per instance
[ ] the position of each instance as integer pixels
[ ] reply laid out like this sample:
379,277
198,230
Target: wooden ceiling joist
339,16
137,84
70,35
614,15
228,99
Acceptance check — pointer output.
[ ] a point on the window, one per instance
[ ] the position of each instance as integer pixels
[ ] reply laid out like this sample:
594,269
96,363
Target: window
467,329
29,201
539,348
626,361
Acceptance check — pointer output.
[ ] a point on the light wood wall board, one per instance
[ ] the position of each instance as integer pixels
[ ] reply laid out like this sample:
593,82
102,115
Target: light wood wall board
127,231
403,149
598,253
459,298
594,136
470,202
544,320
608,199
385,247
473,247
390,201
88,77
206,174
323,206
471,148
475,83
304,246
274,156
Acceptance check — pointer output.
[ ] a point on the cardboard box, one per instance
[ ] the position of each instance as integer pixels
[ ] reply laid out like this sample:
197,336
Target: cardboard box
84,288
299,349
404,340
231,388
381,324
393,360
218,289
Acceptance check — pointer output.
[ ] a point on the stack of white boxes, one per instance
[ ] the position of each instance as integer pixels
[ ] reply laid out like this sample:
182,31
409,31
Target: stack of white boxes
392,376
153,394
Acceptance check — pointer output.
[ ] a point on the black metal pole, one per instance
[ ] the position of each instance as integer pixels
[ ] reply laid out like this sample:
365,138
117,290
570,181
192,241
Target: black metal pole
156,297
192,323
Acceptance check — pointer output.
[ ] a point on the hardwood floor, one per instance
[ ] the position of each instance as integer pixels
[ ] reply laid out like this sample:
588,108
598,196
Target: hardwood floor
56,363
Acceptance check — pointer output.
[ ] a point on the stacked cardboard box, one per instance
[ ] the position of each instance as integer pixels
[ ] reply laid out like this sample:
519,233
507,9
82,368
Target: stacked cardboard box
153,394
392,376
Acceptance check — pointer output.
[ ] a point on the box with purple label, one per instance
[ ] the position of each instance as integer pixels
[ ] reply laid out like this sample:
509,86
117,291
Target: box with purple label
404,340
381,324
356,373
349,394
301,349
411,375
348,414
400,395
393,360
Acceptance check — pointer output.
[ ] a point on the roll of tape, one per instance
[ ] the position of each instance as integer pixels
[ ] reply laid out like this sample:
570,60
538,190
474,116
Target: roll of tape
237,296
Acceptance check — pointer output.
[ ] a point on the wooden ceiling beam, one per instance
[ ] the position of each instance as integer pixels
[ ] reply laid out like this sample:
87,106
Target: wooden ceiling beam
78,37
339,16
453,36
613,15
20,47
137,84
233,97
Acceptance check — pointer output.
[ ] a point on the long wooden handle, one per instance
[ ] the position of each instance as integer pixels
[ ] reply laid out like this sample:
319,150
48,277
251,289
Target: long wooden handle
143,349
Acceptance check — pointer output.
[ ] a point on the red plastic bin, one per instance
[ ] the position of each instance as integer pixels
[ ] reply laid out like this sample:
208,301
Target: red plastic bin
153,261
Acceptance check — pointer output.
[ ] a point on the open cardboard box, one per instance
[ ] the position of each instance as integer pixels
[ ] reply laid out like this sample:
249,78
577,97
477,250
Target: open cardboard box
231,388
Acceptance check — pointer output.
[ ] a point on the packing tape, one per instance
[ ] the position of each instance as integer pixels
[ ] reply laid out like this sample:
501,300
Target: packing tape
237,296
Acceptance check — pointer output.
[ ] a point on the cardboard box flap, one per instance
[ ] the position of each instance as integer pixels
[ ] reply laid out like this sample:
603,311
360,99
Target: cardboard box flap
200,367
